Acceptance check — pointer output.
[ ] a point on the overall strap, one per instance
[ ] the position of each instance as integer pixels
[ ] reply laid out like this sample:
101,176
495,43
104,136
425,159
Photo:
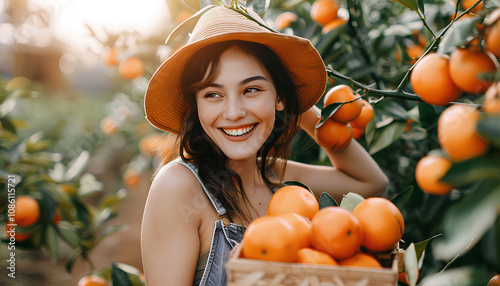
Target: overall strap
221,211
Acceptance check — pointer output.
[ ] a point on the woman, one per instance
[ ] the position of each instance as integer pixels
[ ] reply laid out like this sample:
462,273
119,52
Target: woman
236,95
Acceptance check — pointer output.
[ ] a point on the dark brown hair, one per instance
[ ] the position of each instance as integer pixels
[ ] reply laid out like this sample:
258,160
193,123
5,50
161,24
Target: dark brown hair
197,147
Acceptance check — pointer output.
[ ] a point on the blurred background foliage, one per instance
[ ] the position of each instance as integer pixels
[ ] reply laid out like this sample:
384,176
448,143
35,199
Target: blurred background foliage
74,135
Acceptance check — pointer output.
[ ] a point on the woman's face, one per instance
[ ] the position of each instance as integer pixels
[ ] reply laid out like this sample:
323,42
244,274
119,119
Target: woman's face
237,110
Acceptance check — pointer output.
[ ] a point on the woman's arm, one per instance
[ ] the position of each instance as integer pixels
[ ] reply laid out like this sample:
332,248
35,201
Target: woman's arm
354,170
169,237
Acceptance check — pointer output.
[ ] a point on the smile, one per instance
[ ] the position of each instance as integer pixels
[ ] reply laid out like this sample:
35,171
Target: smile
239,131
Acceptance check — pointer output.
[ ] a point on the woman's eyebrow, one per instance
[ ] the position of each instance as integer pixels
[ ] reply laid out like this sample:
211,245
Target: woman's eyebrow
247,80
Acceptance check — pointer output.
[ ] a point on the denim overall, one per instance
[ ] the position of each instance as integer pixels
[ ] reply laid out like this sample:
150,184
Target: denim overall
225,236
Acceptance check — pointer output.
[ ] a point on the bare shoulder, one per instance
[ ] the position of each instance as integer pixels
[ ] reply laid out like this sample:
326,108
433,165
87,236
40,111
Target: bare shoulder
174,189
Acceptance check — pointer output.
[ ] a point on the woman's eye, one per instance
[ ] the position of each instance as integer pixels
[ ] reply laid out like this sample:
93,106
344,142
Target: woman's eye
252,89
212,95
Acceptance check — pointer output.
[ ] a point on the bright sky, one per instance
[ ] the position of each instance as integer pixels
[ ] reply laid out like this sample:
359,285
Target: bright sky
143,16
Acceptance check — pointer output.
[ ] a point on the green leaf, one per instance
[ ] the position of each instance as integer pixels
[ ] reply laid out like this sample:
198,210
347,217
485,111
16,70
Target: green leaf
411,264
325,200
8,125
456,35
119,277
259,6
402,198
422,245
297,183
412,4
468,220
70,232
421,6
328,111
370,131
427,114
465,172
71,259
14,153
326,41
385,136
7,107
488,127
350,201
52,243
89,185
76,166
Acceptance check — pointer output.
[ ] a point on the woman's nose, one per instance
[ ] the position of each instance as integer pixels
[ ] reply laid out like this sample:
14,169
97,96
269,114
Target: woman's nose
234,109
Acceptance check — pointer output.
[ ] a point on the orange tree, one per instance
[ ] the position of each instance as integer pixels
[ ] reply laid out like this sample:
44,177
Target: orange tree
402,57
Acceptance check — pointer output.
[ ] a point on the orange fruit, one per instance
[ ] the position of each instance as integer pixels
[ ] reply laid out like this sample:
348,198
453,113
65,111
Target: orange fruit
109,125
336,231
334,135
357,133
285,19
131,68
429,170
27,211
315,256
467,3
414,52
409,123
293,199
333,24
494,281
491,101
492,34
348,111
361,259
457,134
270,238
301,226
466,64
18,236
109,56
324,11
154,144
92,280
131,178
432,81
56,217
382,222
364,116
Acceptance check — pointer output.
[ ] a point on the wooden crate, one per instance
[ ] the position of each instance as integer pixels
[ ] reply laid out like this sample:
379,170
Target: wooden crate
251,272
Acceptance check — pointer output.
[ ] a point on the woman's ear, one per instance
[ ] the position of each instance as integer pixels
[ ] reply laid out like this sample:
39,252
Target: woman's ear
280,105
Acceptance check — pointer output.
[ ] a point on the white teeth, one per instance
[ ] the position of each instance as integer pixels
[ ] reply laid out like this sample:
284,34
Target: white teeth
238,132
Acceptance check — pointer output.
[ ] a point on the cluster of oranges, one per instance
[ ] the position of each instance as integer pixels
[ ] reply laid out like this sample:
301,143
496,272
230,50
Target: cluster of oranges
325,13
440,79
458,139
349,121
296,230
128,68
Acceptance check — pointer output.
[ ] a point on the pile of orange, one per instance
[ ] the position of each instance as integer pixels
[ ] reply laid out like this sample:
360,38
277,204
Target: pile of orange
325,13
348,122
295,230
440,79
459,141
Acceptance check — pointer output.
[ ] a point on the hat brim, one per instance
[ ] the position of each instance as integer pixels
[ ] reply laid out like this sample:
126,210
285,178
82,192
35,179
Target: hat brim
165,105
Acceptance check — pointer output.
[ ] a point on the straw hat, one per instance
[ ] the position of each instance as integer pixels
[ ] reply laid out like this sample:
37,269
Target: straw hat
165,105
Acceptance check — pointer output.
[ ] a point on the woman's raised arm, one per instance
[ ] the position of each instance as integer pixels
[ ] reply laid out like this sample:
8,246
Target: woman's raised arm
354,170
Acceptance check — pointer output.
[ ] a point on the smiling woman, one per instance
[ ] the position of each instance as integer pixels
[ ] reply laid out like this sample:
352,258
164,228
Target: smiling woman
236,95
